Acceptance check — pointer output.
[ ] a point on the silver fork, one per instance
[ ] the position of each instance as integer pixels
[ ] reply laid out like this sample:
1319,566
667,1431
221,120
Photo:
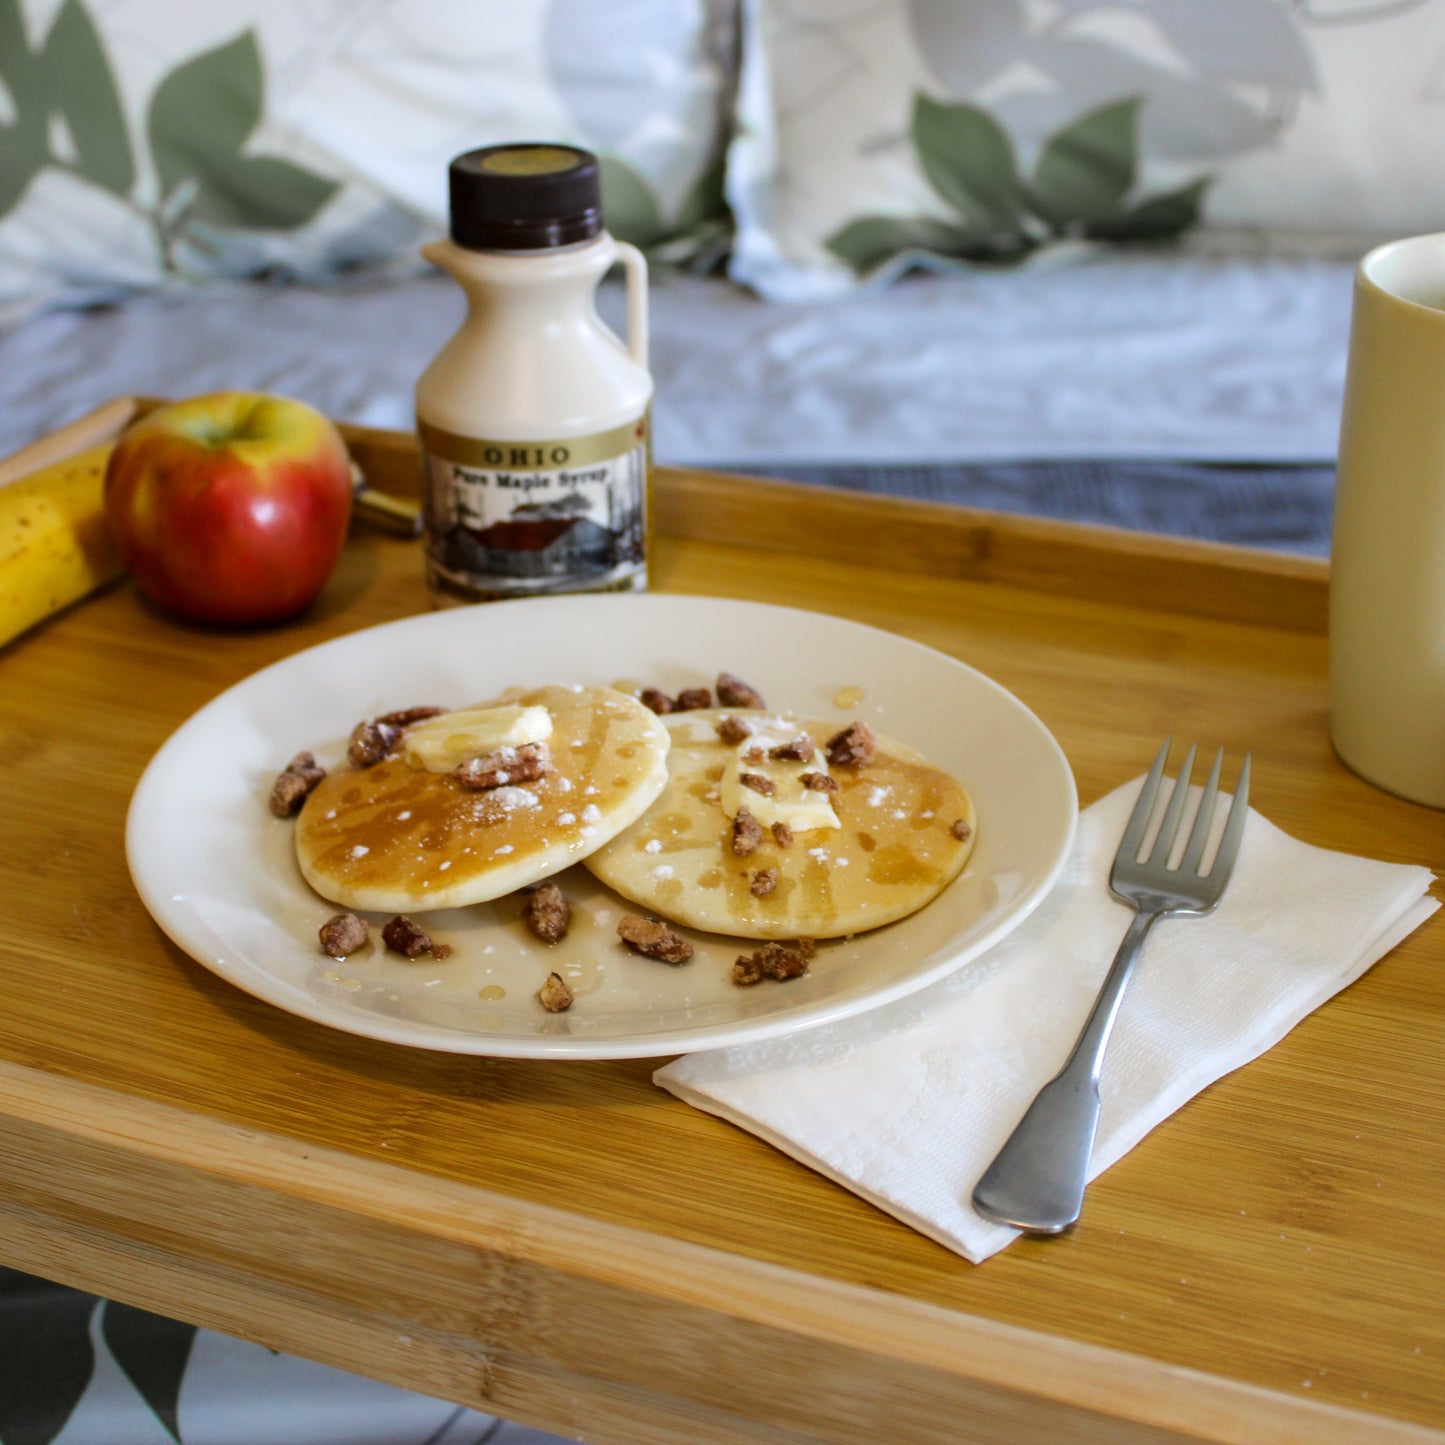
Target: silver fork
1037,1181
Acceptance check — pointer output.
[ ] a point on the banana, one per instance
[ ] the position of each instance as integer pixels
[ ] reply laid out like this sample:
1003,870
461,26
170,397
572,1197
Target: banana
55,543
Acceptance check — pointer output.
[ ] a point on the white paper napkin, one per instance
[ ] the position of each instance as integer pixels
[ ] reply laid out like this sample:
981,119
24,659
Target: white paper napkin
908,1104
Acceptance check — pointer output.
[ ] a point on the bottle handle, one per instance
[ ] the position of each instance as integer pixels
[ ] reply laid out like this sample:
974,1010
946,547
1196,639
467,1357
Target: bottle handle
636,267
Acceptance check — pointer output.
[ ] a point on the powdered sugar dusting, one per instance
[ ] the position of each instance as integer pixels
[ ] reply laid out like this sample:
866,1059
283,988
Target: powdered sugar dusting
514,799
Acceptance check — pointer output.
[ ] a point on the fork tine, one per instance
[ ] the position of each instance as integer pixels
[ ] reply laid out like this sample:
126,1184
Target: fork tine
1233,829
1169,828
1139,818
1199,835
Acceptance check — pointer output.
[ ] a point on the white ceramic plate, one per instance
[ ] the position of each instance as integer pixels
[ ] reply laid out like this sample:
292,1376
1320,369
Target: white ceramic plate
218,874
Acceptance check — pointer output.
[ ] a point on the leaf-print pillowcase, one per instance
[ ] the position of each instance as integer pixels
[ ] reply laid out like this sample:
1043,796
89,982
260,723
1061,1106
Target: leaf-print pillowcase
871,137
152,143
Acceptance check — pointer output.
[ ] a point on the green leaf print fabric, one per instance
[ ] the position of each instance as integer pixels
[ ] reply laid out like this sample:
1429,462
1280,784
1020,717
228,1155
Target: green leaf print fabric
871,138
148,143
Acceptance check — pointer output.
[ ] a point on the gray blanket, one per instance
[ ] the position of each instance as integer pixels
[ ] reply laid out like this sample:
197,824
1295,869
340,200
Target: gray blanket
1186,394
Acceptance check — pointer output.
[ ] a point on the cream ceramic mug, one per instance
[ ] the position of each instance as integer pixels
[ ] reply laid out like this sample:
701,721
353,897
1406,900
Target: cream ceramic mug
1387,557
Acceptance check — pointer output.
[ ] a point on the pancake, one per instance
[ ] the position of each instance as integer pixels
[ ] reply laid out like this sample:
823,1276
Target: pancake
398,838
895,846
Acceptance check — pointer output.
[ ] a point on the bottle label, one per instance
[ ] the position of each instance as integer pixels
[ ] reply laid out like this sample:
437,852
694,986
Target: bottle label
520,519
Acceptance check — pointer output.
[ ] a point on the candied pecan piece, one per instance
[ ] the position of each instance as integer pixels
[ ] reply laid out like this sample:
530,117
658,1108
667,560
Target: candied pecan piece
782,835
734,729
405,717
342,934
522,764
294,783
819,783
547,913
371,741
288,793
734,692
657,700
785,963
403,935
773,960
554,994
692,697
654,939
764,881
962,830
375,738
795,750
852,747
746,971
747,832
305,763
758,783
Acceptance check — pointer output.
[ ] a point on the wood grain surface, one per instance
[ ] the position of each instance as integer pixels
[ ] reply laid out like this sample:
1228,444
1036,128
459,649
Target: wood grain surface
566,1244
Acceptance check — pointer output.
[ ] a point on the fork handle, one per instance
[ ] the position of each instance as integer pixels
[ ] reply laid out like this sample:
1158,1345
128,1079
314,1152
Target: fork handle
1036,1182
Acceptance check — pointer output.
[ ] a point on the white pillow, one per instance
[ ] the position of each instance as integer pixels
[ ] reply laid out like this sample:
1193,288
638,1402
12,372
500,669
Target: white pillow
872,135
156,142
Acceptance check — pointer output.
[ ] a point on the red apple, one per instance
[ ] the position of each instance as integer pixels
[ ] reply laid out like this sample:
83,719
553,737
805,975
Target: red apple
232,507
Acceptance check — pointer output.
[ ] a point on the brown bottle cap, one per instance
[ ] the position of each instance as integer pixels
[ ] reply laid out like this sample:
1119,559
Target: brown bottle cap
524,197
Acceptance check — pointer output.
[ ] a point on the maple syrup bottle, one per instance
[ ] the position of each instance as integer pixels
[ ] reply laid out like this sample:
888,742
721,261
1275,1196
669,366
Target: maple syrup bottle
534,419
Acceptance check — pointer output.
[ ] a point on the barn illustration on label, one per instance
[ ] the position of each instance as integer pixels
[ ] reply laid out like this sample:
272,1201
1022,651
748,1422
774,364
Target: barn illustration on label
575,525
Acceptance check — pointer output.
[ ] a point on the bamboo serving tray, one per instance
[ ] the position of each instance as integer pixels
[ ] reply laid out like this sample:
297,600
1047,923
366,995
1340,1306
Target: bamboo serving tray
568,1245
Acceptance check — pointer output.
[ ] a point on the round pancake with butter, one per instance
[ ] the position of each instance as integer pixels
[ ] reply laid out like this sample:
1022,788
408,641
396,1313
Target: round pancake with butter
399,837
901,830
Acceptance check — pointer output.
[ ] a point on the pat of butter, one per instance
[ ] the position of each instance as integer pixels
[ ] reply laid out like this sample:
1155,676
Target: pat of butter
802,809
441,743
